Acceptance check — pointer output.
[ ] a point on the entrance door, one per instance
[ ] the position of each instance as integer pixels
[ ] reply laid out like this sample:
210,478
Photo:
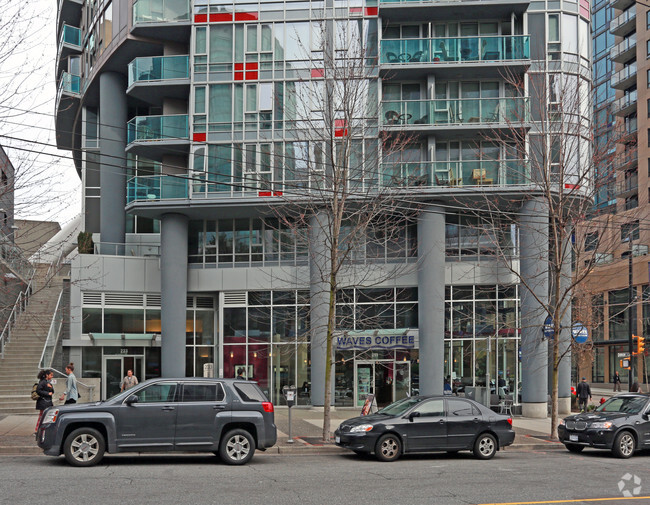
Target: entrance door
115,368
388,380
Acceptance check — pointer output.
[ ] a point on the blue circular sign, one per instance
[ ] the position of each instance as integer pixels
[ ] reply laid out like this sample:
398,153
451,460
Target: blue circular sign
548,330
580,333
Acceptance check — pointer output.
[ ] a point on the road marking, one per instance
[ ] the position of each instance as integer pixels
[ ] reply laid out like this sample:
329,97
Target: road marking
584,500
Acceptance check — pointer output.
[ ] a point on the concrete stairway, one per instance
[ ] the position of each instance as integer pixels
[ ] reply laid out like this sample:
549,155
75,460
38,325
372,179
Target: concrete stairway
19,367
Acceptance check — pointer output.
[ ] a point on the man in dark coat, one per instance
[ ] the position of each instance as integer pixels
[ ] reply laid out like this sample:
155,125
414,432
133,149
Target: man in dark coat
583,392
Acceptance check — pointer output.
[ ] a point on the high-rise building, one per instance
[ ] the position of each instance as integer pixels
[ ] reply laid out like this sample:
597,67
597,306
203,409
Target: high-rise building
192,122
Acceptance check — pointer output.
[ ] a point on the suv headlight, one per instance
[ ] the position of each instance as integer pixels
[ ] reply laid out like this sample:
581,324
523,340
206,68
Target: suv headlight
361,427
601,425
50,416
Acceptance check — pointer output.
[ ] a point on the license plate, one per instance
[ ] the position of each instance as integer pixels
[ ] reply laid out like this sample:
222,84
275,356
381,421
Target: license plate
573,438
338,440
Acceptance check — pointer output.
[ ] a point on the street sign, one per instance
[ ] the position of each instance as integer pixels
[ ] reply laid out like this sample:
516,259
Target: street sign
548,330
580,333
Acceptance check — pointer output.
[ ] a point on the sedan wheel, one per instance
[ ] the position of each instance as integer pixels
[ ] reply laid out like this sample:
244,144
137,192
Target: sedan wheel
237,447
388,448
485,446
624,445
84,447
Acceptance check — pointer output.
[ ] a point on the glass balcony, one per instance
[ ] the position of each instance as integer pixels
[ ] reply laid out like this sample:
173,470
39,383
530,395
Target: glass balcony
625,105
156,128
626,160
160,11
70,83
624,78
71,35
157,187
623,51
455,173
624,23
464,111
627,186
455,49
158,68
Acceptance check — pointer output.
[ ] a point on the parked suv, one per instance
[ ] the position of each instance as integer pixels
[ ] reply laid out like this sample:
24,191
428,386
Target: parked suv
229,417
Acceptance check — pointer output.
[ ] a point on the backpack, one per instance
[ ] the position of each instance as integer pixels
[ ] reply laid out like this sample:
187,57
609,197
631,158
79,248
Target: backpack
35,395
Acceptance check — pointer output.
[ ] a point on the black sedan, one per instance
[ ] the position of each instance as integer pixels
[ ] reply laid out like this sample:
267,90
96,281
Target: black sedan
621,424
427,423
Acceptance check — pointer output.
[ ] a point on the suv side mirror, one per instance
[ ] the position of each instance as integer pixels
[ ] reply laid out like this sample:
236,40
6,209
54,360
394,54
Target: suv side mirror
413,414
131,399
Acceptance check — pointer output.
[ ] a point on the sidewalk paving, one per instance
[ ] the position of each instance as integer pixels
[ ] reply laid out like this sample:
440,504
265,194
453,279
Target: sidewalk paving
17,432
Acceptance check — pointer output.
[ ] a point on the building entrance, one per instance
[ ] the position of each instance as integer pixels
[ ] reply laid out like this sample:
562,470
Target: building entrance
388,380
115,368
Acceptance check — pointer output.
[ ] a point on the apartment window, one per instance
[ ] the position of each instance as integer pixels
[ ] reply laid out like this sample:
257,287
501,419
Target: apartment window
647,20
648,105
630,230
648,76
591,241
647,45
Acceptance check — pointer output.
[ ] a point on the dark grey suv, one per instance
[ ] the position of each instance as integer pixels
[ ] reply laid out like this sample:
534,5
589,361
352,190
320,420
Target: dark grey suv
226,416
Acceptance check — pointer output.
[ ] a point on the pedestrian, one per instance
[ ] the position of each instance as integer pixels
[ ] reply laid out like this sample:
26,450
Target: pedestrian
636,387
71,395
45,392
617,382
446,390
583,392
129,381
240,374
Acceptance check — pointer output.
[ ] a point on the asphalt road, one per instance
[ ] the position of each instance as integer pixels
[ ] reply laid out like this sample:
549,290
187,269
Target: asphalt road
511,477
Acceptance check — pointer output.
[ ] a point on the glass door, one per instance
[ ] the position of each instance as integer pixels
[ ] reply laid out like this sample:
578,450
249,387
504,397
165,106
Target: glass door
115,368
402,380
363,377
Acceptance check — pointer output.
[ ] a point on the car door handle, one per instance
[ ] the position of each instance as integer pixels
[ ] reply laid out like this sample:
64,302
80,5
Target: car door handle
169,408
219,407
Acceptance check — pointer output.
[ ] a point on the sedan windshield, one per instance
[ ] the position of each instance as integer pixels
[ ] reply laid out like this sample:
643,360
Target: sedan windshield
397,408
626,405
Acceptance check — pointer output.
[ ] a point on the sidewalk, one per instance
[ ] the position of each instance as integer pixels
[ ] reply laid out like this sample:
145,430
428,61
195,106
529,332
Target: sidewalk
16,432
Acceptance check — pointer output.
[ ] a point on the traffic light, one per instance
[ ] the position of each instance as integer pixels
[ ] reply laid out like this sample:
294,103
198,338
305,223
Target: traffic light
640,345
634,337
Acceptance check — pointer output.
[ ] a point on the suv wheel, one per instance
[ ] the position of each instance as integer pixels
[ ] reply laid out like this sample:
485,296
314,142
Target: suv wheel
388,448
624,445
485,446
84,447
237,447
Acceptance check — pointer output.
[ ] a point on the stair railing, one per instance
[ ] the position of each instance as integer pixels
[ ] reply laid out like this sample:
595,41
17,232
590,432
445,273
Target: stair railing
54,266
53,335
90,388
19,307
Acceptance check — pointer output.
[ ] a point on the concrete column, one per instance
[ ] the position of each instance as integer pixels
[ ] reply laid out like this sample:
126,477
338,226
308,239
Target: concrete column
431,299
533,265
112,145
319,267
173,266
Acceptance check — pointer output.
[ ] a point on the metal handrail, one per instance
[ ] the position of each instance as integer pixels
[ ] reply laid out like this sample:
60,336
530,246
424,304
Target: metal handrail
89,387
18,308
52,335
51,271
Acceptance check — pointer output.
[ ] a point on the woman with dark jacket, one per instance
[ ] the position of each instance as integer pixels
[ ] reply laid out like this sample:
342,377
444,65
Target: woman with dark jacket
45,393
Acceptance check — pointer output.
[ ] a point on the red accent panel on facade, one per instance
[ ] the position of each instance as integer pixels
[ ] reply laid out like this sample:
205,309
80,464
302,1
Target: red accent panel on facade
372,11
356,10
340,128
317,72
572,186
220,17
246,16
200,18
252,66
277,193
239,66
264,193
251,76
239,76
198,137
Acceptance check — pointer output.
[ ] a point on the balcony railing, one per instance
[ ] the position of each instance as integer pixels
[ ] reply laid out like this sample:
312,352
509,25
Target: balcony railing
463,111
623,47
70,83
160,11
626,158
456,173
71,35
626,17
626,186
624,74
157,187
625,102
159,68
157,128
456,49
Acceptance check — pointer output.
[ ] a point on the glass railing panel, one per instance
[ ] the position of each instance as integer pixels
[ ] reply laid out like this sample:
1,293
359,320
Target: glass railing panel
160,11
71,35
70,83
144,128
157,68
157,187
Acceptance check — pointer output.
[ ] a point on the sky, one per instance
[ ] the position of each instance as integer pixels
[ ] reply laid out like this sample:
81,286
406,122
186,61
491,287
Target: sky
47,184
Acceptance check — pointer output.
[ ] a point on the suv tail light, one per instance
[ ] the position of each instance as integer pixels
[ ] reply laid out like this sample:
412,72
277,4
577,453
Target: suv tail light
510,421
267,406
